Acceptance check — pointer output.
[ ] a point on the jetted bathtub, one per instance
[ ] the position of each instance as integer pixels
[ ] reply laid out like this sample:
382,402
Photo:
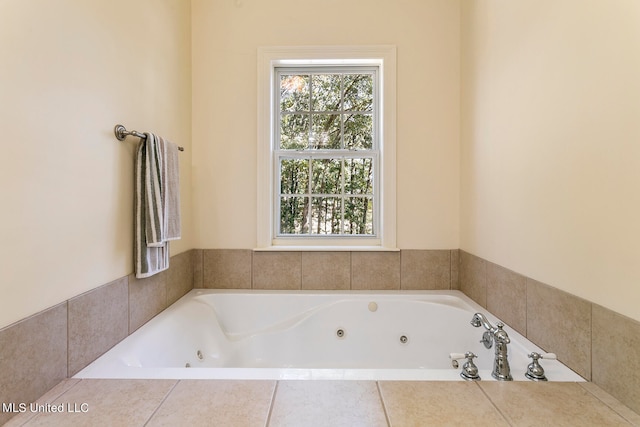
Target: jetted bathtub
364,335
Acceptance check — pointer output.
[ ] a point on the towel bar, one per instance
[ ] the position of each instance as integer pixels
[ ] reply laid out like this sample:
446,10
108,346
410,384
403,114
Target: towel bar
122,132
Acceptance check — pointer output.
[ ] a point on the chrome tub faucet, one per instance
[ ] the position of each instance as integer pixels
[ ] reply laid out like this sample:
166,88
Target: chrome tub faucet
495,335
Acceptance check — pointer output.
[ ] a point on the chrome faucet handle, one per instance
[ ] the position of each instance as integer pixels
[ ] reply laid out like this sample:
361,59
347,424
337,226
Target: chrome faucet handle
535,371
469,369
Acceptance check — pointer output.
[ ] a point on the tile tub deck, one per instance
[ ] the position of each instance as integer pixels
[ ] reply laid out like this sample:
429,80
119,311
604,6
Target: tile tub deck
324,403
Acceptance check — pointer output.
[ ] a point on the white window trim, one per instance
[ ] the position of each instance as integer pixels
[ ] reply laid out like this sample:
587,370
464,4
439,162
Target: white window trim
269,58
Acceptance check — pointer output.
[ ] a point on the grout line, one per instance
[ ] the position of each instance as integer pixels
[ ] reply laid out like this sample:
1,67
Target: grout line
590,341
300,284
384,407
450,269
502,414
164,399
253,256
273,399
351,270
400,273
68,339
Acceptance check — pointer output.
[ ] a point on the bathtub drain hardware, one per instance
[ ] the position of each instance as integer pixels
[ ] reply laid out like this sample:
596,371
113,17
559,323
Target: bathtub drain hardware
340,333
188,365
404,339
199,354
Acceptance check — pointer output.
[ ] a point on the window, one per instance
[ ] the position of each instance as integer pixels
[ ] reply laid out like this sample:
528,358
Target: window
326,151
326,147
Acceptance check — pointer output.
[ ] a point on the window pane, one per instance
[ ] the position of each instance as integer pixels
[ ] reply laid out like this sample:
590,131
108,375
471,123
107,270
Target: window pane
325,131
358,176
326,92
327,176
294,176
293,215
358,92
358,132
325,215
294,93
294,131
358,215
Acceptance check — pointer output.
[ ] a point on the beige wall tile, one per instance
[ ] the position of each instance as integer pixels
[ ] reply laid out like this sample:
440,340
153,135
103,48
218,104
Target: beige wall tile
473,277
98,320
109,402
550,403
560,323
179,276
437,403
216,403
507,296
33,356
425,269
227,268
147,297
198,268
455,269
327,403
326,270
616,355
277,270
375,270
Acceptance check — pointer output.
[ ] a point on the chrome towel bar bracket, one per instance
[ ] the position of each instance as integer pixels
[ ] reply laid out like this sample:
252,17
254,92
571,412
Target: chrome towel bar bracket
121,133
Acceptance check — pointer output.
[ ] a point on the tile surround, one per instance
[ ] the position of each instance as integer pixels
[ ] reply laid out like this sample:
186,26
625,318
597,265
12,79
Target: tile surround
326,270
597,343
33,356
227,268
541,311
425,269
277,270
58,342
473,277
560,323
616,355
507,296
97,321
375,270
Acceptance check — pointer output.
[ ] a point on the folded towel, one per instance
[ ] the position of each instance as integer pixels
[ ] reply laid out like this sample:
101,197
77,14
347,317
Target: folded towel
157,204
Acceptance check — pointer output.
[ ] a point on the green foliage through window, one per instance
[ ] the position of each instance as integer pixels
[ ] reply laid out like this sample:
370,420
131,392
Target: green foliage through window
326,151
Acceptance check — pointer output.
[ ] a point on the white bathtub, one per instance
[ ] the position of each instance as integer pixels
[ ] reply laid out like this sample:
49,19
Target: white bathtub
217,334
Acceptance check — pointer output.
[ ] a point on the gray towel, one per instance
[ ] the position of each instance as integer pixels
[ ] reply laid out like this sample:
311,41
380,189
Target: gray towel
157,204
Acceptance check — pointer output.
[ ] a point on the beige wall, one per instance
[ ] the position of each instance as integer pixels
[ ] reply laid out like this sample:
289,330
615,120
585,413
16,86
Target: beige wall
550,154
226,36
70,70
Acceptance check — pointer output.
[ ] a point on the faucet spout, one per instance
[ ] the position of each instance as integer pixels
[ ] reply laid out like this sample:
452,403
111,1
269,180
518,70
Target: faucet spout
479,319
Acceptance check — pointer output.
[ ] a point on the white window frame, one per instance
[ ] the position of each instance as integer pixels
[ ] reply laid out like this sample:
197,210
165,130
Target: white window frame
270,58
